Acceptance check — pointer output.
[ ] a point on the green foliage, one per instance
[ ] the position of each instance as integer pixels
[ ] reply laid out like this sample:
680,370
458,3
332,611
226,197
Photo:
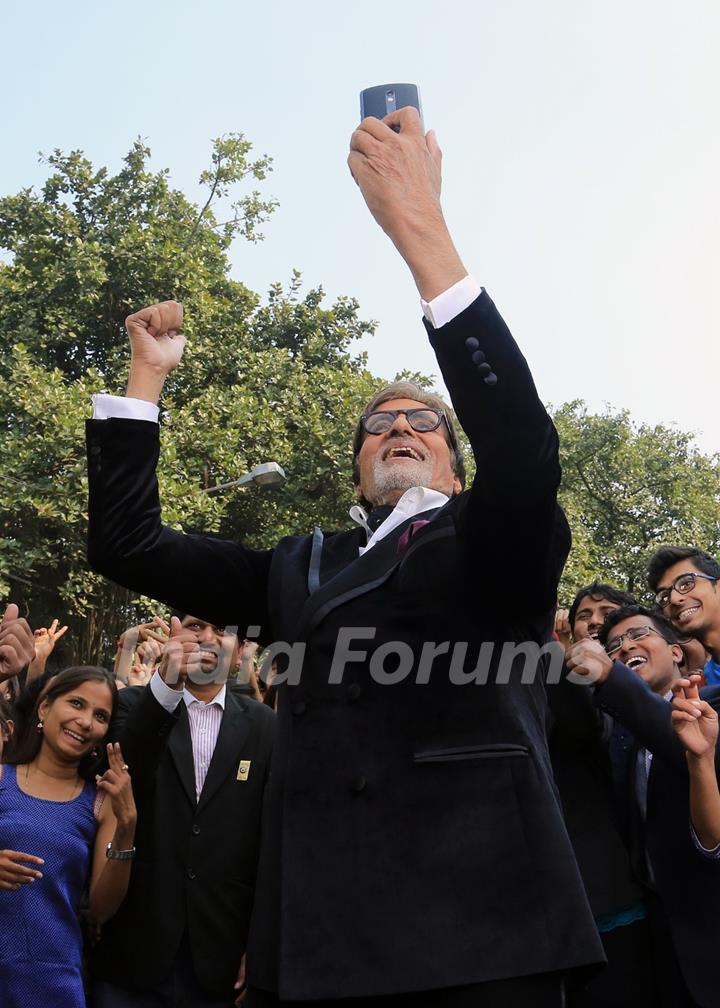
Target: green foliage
628,490
91,247
258,383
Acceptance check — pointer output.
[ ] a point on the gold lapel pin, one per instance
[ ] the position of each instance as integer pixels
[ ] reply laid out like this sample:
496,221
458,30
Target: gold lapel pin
244,769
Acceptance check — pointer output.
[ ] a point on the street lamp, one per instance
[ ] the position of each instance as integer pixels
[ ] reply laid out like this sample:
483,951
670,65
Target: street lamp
266,474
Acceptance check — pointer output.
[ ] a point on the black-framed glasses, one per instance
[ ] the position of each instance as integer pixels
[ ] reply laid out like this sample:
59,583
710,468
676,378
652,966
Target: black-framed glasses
634,633
422,419
682,584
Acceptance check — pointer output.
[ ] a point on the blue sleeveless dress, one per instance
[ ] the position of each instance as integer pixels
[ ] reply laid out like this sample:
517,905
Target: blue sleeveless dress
40,939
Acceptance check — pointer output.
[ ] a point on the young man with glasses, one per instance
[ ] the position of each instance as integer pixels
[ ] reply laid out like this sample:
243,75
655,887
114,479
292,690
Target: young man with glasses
633,667
685,582
414,852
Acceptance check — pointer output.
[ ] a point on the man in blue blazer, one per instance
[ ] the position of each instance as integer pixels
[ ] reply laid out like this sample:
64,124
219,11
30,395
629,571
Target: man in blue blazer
414,850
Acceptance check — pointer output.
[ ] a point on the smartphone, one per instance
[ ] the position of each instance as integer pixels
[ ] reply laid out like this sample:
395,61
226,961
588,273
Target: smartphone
378,101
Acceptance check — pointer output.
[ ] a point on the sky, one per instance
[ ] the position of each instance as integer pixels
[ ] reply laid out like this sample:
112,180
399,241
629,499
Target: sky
581,165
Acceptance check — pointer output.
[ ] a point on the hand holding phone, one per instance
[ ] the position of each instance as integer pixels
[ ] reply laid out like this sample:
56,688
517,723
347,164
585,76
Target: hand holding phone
385,98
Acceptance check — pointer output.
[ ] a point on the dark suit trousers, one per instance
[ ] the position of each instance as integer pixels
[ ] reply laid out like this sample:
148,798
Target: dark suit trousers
520,992
180,990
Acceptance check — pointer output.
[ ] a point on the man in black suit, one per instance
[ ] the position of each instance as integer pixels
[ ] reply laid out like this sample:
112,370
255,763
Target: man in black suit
414,850
579,737
199,755
634,666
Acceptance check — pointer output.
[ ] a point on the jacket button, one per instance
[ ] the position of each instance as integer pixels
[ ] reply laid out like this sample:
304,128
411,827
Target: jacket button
491,379
95,450
478,357
471,344
299,708
190,873
354,691
359,784
196,829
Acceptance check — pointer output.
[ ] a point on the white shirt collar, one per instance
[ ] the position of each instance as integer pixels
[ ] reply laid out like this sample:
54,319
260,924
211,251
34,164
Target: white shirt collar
413,501
219,699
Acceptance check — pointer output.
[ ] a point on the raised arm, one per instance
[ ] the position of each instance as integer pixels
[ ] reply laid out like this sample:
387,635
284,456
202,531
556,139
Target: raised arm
695,723
513,520
217,580
622,693
118,817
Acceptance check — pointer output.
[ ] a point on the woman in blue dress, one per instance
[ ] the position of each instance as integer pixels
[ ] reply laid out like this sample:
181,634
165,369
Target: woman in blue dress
60,825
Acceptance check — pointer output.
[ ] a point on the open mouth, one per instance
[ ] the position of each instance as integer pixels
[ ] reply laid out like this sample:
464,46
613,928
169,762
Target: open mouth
636,662
79,739
403,452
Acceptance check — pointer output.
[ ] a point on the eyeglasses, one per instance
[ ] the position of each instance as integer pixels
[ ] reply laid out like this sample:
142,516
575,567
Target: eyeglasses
633,634
682,584
423,420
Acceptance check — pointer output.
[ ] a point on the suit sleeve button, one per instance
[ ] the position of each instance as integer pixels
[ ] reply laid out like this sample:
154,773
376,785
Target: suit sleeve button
354,691
299,708
478,357
95,450
491,379
471,344
196,829
483,370
359,784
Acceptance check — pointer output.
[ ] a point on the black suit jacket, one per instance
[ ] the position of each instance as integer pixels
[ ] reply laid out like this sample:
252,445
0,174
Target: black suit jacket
196,861
688,884
579,738
413,837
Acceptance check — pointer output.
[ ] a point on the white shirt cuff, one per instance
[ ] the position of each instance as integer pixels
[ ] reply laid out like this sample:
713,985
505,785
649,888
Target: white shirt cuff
448,305
166,697
107,406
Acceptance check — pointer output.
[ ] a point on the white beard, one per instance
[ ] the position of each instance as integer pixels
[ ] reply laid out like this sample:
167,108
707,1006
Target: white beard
389,477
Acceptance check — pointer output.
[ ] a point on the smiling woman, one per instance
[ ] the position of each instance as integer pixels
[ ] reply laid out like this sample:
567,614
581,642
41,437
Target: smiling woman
55,823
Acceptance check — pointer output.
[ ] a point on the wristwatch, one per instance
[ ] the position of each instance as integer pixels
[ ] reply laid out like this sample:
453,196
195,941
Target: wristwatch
119,855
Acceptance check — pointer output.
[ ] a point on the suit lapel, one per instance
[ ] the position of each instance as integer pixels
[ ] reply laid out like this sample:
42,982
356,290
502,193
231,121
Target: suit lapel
344,575
180,747
234,729
338,552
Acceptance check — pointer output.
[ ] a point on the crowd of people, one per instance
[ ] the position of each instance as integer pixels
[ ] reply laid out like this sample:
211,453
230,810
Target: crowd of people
328,775
647,840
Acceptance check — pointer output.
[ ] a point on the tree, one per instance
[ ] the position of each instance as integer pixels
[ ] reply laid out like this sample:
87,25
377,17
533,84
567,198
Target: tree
627,490
258,382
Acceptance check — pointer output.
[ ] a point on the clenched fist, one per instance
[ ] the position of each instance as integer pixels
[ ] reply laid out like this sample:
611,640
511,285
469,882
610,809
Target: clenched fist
156,345
588,662
17,645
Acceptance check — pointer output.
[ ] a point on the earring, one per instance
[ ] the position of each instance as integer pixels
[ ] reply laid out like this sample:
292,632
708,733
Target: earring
94,753
39,726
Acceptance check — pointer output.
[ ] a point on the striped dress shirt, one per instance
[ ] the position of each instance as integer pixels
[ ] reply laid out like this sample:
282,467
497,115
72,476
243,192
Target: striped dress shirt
204,720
